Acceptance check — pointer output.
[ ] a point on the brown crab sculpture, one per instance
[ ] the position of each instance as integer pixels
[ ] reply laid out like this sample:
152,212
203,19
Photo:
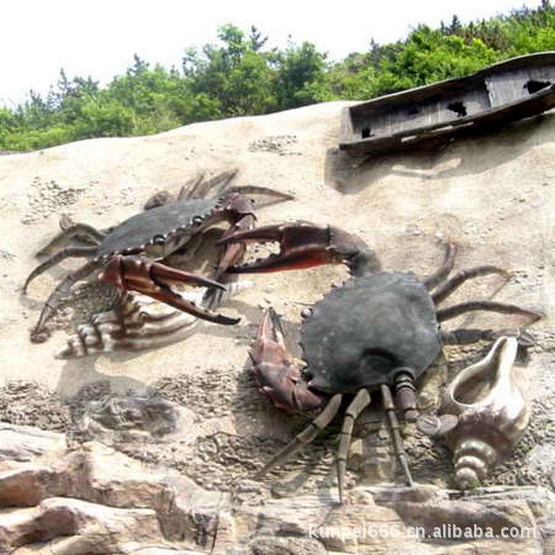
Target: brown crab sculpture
131,253
379,330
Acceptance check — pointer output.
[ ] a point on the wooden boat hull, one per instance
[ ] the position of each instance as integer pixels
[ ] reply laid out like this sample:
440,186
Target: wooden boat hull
508,91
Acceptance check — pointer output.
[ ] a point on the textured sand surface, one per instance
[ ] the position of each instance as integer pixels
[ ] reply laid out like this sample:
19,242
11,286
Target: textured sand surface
493,194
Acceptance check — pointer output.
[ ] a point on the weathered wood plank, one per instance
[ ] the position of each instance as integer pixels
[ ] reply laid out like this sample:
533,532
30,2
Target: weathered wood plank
504,92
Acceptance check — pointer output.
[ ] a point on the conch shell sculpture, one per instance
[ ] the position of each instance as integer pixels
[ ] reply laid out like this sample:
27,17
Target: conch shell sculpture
488,427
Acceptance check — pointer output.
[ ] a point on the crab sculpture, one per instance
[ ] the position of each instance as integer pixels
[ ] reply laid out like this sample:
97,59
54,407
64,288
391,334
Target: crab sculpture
380,330
131,253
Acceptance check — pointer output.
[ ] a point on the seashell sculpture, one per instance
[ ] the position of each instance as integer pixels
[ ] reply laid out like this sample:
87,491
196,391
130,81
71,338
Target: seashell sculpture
489,426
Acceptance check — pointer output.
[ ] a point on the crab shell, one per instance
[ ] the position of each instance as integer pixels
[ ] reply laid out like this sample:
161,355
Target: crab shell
161,230
360,334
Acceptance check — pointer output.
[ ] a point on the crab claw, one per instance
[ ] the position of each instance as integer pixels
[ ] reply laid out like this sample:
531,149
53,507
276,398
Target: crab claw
153,279
275,370
234,252
303,245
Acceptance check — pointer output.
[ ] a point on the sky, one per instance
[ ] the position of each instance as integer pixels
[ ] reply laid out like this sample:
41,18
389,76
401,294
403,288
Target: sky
98,38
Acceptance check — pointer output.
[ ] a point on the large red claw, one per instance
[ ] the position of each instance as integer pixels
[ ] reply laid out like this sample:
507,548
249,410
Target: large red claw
153,279
302,245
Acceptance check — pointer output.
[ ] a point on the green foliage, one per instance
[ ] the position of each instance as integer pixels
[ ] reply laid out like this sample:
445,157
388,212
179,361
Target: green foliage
300,76
240,76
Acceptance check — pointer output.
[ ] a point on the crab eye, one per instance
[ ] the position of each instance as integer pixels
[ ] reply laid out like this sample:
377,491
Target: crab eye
197,220
158,240
306,313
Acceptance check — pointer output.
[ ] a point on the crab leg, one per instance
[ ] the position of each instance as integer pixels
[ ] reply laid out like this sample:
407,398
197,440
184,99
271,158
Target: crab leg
464,336
238,210
491,306
81,231
450,286
195,188
153,279
433,280
389,408
68,252
306,436
38,334
405,394
359,403
234,252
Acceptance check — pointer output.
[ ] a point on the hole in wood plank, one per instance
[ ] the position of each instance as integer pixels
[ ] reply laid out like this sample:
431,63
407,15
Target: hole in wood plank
533,86
459,108
365,132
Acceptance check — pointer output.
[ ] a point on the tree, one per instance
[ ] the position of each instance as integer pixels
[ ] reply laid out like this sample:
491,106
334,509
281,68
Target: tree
300,76
235,77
